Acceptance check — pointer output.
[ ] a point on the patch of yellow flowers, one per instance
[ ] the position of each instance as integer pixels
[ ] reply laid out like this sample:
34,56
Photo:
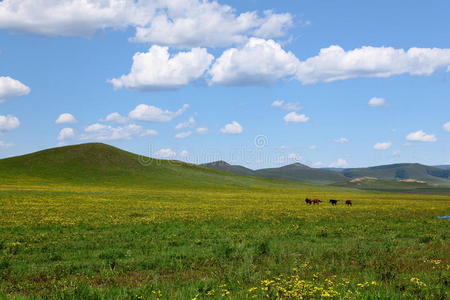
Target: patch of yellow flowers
296,287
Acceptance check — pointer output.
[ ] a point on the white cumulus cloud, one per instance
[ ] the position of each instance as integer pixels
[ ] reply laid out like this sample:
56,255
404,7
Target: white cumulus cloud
334,63
115,117
287,105
8,122
294,117
421,136
103,132
340,163
66,134
165,153
72,17
446,126
66,118
202,130
184,134
10,87
258,62
382,146
187,124
179,23
149,113
232,128
158,70
376,102
194,23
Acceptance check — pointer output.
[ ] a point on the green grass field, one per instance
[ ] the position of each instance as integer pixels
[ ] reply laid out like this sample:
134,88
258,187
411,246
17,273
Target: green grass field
176,231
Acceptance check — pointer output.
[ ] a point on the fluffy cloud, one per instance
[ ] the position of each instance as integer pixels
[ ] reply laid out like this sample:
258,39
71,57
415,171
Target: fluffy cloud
8,123
66,134
115,117
4,145
103,132
158,70
183,134
232,128
376,102
334,63
259,62
66,118
340,163
180,23
72,17
446,126
287,105
421,136
188,124
202,130
149,113
342,140
194,23
165,153
382,146
10,87
294,117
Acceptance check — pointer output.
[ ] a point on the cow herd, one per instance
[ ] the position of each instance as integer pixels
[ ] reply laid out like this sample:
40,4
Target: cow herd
332,202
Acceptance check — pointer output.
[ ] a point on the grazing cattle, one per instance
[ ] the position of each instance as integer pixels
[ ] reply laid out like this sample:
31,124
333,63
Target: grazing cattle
348,202
333,202
316,201
308,201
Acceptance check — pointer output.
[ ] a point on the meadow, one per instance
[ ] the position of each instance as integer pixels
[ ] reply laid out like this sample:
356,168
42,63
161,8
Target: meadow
71,241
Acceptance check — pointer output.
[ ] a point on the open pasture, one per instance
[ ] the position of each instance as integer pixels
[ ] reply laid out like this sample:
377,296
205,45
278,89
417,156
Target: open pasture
255,242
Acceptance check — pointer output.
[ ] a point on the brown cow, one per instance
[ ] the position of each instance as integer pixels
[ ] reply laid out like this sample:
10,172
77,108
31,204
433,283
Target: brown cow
316,201
348,202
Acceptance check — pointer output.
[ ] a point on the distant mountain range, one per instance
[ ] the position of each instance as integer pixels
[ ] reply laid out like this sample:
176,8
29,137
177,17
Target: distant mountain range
299,172
445,167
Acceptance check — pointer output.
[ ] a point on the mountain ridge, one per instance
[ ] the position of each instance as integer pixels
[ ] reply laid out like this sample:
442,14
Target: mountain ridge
398,171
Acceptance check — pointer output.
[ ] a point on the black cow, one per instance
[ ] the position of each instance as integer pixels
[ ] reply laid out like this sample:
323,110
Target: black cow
333,202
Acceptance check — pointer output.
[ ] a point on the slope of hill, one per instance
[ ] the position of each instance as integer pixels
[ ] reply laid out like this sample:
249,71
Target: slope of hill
294,172
96,163
402,171
302,173
224,166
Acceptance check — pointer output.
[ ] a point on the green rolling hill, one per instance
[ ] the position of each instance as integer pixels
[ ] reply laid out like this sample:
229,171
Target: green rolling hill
294,172
96,163
302,173
401,172
101,164
224,166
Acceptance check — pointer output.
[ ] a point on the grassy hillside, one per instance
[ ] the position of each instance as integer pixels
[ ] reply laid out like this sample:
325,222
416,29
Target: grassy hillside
402,171
295,172
302,173
403,186
224,166
101,164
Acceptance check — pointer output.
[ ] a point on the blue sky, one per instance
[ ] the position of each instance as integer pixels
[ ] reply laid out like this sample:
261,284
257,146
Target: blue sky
265,83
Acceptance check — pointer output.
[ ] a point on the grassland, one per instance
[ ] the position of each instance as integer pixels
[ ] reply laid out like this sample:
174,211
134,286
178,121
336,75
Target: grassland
232,237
